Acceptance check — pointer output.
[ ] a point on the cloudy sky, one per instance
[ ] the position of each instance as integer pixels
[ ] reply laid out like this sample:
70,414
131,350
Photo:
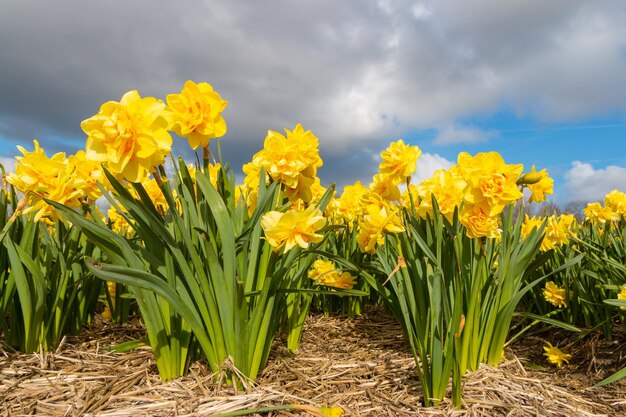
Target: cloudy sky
542,82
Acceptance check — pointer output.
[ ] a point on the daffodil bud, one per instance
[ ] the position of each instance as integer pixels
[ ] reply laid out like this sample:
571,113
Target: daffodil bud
532,177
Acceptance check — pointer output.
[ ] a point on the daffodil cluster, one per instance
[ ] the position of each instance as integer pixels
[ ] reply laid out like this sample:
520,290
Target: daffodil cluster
132,137
557,232
66,180
347,209
614,208
479,186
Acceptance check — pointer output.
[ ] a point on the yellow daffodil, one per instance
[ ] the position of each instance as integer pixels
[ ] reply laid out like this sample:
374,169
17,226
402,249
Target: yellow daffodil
118,223
555,355
131,136
555,295
347,208
197,113
595,213
154,192
529,224
321,267
377,220
616,202
292,160
478,222
556,233
326,273
542,186
491,182
293,228
399,160
448,189
86,174
386,187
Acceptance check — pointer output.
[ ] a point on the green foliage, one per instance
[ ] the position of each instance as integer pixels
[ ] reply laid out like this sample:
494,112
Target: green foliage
46,292
200,271
453,295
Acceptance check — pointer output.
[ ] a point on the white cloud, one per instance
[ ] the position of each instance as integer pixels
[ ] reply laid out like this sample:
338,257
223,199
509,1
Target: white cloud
584,182
461,134
427,164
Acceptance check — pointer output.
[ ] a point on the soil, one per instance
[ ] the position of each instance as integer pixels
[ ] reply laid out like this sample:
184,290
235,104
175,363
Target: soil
360,364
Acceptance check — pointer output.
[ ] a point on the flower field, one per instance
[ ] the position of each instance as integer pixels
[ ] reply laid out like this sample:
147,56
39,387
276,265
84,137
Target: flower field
223,275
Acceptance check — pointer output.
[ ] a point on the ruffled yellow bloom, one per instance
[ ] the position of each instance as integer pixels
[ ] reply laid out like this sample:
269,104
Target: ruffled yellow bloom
326,273
321,267
131,136
292,160
34,171
448,189
554,294
87,174
293,228
529,224
347,208
491,182
409,195
556,232
280,160
377,220
399,160
569,223
595,213
616,202
197,113
154,192
478,222
386,187
555,355
544,185
317,191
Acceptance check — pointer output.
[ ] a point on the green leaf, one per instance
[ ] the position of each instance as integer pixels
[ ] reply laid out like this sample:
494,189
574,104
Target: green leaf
615,377
550,321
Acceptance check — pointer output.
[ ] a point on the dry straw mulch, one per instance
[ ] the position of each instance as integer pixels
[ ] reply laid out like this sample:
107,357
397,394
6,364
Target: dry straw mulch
360,364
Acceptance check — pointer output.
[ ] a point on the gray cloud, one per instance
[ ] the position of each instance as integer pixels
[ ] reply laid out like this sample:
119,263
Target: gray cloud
357,73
